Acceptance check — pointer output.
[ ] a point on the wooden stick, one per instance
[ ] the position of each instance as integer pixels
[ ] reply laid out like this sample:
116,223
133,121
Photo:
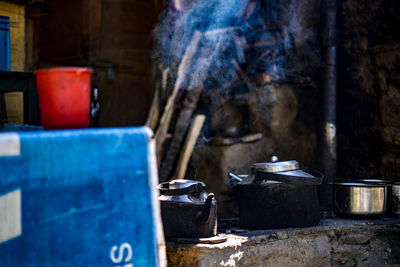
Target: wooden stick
154,112
239,43
195,88
263,55
220,31
193,134
178,5
249,84
164,80
182,77
183,71
250,9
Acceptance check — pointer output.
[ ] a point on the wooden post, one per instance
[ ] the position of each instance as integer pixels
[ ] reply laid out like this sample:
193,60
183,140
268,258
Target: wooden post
194,131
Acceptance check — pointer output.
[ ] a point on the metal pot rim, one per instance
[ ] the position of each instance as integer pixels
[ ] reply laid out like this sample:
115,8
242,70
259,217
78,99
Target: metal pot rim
362,184
276,166
374,181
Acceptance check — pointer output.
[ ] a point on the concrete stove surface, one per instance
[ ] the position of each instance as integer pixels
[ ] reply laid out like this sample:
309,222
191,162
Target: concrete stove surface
334,242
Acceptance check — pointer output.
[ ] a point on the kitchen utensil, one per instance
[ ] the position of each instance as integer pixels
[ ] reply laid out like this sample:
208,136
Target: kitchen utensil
187,210
277,195
361,198
287,172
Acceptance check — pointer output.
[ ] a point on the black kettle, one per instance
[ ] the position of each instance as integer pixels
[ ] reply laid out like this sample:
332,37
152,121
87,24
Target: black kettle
187,210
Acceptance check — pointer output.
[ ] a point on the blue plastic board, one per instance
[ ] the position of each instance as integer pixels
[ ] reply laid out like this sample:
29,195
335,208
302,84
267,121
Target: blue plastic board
5,51
11,127
79,198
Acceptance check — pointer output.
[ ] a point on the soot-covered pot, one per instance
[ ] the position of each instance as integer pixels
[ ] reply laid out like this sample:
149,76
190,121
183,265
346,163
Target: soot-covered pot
278,195
187,210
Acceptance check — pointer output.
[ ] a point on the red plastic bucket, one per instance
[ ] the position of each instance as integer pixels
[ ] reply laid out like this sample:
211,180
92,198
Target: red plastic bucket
64,97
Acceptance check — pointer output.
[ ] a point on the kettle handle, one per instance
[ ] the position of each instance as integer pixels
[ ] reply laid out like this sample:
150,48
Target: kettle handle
205,214
234,179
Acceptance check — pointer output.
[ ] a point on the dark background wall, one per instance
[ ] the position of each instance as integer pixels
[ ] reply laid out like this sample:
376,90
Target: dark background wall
114,37
286,112
369,90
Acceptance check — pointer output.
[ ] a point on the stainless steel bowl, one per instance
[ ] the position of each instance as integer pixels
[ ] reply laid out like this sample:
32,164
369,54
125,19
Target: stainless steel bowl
361,198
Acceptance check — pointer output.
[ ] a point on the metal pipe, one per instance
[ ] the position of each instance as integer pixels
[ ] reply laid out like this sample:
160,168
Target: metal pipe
328,96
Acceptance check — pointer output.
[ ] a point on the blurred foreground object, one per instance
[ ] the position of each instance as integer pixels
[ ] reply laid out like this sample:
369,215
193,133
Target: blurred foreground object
79,198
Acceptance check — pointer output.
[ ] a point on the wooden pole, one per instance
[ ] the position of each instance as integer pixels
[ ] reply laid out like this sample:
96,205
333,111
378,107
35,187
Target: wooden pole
195,88
183,72
182,77
194,132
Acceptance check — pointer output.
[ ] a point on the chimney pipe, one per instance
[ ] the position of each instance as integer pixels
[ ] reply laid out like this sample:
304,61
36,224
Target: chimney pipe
328,96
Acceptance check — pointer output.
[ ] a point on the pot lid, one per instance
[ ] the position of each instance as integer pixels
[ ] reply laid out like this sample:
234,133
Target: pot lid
181,187
275,166
182,183
286,172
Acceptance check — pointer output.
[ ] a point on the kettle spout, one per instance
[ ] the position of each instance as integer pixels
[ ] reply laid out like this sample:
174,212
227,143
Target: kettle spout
205,214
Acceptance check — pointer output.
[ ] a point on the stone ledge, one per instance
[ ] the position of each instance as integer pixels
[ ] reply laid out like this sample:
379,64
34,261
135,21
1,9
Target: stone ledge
335,242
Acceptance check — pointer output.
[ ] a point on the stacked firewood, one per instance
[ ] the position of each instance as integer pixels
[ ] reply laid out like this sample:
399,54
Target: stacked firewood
171,121
225,63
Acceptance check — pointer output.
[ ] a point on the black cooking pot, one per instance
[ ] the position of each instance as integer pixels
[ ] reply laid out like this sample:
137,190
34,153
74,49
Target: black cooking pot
187,210
278,195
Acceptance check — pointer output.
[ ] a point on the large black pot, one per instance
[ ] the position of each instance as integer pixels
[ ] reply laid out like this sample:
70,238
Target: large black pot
277,205
187,211
278,195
